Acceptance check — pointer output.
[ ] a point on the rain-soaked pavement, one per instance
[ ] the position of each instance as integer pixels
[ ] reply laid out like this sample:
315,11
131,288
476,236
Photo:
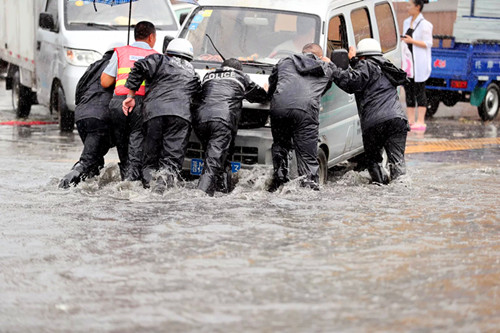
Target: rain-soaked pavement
418,255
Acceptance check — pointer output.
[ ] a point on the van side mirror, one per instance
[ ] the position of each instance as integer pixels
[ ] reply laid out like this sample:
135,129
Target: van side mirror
46,21
166,41
340,58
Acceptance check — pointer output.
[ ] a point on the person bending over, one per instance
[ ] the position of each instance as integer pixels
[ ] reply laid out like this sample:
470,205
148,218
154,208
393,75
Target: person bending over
172,87
373,79
216,120
296,85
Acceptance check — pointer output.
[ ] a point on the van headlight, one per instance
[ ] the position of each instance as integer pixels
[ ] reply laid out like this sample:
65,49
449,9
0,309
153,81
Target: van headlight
81,58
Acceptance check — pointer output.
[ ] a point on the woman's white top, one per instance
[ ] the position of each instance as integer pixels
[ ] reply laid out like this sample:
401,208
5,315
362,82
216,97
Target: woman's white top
422,58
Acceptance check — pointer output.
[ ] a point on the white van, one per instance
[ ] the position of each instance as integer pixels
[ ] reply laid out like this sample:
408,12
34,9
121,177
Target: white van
252,30
49,44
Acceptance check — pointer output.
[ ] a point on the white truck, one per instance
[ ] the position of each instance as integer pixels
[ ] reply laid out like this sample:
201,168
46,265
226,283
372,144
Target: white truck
48,44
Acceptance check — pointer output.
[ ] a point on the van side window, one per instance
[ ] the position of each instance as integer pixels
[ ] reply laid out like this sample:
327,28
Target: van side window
361,24
52,9
337,34
386,27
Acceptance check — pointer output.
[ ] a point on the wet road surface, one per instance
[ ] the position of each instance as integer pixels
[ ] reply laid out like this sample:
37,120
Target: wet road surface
421,254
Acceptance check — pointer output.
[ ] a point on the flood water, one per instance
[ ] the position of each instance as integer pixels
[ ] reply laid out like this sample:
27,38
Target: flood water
421,254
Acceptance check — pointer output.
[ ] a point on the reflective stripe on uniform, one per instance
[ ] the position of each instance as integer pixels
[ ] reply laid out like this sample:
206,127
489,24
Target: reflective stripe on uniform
127,56
124,70
122,82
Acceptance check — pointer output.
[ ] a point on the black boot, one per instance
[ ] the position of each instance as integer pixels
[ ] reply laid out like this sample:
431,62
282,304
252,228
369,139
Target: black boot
310,184
378,175
207,184
276,184
397,170
133,174
123,171
224,181
147,177
162,182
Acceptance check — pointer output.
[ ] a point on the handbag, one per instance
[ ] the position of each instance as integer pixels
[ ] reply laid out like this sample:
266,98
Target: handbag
407,56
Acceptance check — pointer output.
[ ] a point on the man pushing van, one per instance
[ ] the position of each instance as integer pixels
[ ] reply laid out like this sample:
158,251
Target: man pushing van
128,130
296,86
373,80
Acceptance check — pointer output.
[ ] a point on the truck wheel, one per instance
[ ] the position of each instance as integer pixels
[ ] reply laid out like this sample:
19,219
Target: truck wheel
488,109
21,97
432,105
323,167
66,117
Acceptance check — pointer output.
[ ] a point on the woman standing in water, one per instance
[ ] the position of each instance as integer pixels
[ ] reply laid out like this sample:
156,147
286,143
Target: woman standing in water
418,43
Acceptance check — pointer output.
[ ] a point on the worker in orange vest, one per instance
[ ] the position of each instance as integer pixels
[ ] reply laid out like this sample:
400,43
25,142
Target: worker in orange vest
128,130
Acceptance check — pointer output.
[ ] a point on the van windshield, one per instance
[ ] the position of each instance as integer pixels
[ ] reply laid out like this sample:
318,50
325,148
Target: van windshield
249,34
81,14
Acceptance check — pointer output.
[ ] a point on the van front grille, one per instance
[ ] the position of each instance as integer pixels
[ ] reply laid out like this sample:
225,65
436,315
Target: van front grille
244,155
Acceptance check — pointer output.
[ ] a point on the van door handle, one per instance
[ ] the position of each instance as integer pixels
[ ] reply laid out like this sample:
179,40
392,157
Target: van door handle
38,45
351,97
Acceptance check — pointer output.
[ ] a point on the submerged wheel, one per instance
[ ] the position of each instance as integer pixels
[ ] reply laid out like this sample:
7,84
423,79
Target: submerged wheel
432,105
21,97
488,109
323,167
66,117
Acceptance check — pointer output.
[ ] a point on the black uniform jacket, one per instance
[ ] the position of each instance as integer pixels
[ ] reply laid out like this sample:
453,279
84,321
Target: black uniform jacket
92,100
298,82
373,81
223,91
171,85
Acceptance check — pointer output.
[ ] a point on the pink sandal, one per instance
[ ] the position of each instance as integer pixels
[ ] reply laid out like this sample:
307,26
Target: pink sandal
418,127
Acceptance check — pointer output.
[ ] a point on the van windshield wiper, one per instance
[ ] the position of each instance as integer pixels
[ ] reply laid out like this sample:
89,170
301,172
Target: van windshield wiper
97,25
256,63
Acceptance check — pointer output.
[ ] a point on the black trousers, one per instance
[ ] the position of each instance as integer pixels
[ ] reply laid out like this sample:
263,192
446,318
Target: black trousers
415,94
128,135
390,135
299,130
96,140
218,142
165,145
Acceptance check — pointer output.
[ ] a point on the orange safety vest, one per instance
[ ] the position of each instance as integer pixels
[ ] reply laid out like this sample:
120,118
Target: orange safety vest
127,56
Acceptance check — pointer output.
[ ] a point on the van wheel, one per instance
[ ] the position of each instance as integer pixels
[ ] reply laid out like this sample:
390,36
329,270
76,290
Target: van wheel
323,167
21,97
66,117
488,109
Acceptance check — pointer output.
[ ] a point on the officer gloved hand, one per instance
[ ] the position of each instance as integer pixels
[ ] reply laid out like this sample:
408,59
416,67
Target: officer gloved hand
73,177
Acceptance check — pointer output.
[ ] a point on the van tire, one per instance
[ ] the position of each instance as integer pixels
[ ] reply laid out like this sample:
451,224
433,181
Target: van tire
488,109
323,167
21,97
66,116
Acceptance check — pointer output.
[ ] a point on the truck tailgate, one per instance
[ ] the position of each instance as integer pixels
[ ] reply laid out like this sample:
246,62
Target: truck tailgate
450,63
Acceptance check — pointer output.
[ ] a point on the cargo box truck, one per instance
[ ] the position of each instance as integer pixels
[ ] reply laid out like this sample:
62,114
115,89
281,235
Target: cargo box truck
468,69
48,44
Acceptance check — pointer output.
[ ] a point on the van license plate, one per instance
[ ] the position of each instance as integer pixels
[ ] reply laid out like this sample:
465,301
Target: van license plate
197,166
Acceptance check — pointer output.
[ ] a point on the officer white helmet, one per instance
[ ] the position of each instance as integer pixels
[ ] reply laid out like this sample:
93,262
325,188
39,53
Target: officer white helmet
368,47
181,47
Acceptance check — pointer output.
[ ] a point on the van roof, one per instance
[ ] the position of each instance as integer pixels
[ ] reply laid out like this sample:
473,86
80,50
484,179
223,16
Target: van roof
301,6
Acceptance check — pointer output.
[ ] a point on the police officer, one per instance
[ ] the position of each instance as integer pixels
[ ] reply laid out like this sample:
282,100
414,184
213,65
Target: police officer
296,86
172,86
373,79
216,120
128,131
92,122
